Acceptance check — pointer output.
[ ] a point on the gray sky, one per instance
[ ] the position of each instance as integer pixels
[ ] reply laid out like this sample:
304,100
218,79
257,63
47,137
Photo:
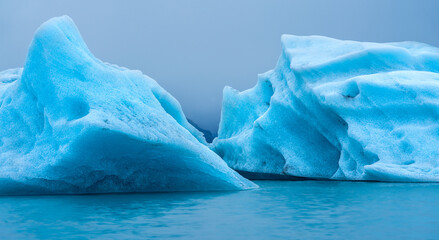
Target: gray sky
194,48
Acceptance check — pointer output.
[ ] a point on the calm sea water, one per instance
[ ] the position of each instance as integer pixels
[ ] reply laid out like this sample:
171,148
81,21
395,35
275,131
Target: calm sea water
278,210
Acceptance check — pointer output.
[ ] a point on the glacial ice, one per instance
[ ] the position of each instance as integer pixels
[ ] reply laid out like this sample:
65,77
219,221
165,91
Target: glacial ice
208,135
336,109
74,124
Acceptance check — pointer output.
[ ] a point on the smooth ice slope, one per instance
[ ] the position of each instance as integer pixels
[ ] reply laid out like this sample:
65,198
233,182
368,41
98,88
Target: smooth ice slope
73,124
338,110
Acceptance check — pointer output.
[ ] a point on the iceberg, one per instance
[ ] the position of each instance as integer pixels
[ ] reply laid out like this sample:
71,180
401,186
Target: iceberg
72,124
208,135
342,110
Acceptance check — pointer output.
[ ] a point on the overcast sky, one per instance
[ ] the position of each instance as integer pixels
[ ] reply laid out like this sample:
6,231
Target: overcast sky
194,48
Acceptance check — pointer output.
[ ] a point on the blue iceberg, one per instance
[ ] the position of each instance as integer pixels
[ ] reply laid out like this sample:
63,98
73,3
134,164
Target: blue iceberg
334,109
74,124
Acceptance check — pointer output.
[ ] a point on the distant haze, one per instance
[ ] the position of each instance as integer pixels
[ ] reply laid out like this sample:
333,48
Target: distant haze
194,48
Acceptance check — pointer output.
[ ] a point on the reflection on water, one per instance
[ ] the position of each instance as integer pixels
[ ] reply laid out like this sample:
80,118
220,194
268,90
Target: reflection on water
279,209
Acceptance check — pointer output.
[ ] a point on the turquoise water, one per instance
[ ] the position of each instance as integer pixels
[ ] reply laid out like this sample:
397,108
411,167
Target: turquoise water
278,210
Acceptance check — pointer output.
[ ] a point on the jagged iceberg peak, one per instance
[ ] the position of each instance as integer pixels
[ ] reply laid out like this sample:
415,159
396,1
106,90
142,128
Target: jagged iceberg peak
59,53
74,124
338,109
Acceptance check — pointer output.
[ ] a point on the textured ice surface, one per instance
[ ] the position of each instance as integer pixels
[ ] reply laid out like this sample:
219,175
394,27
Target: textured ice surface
338,110
71,123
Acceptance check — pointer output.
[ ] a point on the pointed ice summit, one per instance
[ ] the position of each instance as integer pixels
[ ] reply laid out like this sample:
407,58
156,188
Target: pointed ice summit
74,124
337,109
